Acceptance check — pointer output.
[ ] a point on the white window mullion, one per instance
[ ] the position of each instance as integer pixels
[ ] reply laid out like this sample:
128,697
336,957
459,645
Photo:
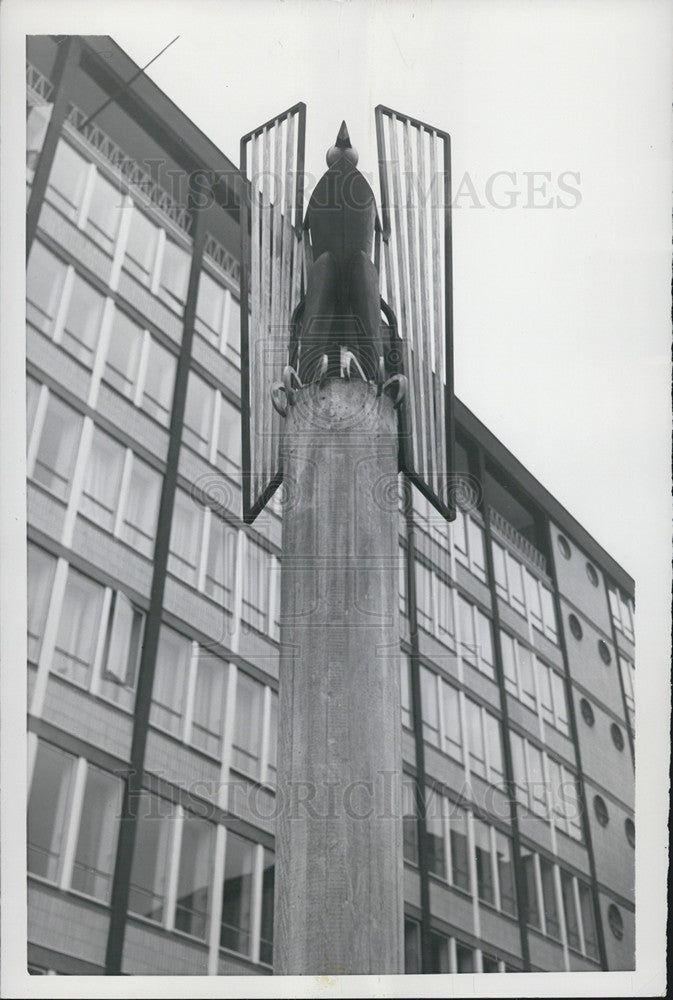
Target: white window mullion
143,361
74,817
257,873
453,955
205,540
478,960
241,551
227,737
215,429
224,321
561,915
216,906
440,712
457,634
49,637
77,482
101,352
264,749
466,736
87,195
123,493
174,868
38,425
472,864
97,666
494,867
188,713
64,304
122,239
158,262
274,597
446,827
538,892
578,911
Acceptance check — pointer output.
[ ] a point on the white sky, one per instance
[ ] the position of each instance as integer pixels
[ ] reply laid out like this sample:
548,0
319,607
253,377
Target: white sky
562,317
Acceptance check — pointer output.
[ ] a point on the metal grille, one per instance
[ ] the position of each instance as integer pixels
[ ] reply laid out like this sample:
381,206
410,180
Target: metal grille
272,167
415,176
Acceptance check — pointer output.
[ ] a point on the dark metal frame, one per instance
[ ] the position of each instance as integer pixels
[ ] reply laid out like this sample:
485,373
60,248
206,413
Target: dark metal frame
447,509
253,505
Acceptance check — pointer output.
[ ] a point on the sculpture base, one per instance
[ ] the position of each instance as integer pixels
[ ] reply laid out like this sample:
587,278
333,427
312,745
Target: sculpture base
339,876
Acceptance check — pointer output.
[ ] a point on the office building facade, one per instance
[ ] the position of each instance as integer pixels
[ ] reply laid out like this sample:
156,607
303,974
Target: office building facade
153,611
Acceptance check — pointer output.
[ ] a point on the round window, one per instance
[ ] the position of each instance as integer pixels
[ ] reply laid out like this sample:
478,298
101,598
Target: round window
630,831
564,547
604,651
617,737
587,712
615,921
575,627
592,574
601,810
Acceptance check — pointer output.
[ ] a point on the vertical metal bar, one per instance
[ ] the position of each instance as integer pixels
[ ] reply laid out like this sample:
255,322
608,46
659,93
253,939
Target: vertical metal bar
65,68
134,776
299,189
519,881
449,398
440,378
243,198
266,265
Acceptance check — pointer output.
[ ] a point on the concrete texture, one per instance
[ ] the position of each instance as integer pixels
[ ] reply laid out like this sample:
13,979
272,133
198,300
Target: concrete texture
339,885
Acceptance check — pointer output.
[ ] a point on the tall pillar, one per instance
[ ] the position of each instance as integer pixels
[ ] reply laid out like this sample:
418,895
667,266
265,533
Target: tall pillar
339,877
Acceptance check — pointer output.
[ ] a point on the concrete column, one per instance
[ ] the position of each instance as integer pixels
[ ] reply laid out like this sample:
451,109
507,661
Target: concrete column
339,884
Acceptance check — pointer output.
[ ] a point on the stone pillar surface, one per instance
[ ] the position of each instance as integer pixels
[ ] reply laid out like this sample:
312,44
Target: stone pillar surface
339,876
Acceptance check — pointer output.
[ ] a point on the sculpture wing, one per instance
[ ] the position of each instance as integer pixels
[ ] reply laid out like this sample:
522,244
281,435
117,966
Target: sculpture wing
271,210
415,177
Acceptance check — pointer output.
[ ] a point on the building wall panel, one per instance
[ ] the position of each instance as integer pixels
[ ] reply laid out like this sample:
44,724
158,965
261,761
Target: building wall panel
66,923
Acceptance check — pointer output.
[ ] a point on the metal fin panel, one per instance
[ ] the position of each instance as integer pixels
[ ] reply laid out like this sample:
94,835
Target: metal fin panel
271,214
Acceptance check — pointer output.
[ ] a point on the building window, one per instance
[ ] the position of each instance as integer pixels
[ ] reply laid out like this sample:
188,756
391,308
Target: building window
170,678
174,275
564,547
149,874
532,907
409,821
621,610
484,742
48,810
123,355
570,911
186,526
587,712
464,958
551,917
247,741
405,690
210,305
82,321
159,383
531,786
221,562
468,541
266,928
121,657
630,831
102,480
198,426
67,180
485,882
142,507
45,279
588,921
475,637
627,671
412,947
141,247
41,569
94,861
434,606
439,954
434,823
78,628
503,846
258,608
210,701
453,741
592,574
57,449
104,213
575,627
617,736
523,591
235,933
460,866
194,877
429,706
604,652
229,437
